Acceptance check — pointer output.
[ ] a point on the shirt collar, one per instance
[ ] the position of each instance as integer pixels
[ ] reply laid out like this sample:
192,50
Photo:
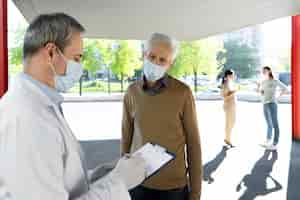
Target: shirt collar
158,87
163,80
54,96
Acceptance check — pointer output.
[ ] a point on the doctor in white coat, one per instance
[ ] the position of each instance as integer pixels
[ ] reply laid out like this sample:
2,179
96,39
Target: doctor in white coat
40,158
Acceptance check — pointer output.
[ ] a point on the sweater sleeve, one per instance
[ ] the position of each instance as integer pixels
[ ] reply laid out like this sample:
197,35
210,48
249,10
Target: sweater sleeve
127,126
194,157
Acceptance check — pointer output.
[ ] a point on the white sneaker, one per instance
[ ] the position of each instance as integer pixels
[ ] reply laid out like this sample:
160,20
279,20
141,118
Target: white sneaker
272,147
266,144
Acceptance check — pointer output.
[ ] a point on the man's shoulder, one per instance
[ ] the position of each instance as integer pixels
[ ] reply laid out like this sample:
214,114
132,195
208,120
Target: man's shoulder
17,106
17,101
179,85
10,103
28,120
133,87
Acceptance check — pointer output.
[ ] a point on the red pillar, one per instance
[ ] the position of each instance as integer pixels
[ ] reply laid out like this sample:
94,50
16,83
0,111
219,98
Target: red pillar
296,76
3,48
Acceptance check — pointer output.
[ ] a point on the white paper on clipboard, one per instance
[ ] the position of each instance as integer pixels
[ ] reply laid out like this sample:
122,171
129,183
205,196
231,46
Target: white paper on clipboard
155,156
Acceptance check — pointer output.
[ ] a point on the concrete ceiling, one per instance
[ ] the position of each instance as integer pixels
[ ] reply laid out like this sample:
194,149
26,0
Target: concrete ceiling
183,19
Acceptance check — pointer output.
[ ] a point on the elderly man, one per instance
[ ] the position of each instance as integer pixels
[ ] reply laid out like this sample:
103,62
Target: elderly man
161,110
39,155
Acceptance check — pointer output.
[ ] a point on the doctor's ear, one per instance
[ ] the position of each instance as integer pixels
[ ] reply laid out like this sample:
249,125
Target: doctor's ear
51,48
145,54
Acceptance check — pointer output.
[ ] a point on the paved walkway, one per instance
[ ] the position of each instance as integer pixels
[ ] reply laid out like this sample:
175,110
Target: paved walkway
294,174
116,97
246,172
262,181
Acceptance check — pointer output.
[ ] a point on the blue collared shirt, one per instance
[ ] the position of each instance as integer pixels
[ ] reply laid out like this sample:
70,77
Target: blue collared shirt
55,96
159,86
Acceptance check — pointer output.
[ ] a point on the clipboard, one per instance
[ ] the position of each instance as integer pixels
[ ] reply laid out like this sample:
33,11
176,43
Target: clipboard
156,157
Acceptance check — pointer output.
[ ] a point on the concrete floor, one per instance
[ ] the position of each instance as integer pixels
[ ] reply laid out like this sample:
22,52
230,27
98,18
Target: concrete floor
246,172
294,174
102,151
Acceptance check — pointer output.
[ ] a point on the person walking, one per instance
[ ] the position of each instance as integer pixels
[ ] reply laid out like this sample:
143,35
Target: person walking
228,92
268,89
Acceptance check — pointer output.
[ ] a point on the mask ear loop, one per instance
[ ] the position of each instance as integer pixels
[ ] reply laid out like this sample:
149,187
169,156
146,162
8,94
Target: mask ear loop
53,70
62,55
51,64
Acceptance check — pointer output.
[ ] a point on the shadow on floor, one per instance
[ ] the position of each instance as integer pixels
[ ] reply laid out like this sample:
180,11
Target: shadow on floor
293,192
100,151
212,166
255,184
103,151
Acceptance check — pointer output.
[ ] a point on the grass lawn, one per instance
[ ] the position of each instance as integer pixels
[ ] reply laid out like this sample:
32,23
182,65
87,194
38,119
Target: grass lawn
99,86
102,86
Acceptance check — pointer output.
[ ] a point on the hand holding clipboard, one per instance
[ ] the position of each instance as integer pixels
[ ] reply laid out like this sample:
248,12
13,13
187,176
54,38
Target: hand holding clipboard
156,157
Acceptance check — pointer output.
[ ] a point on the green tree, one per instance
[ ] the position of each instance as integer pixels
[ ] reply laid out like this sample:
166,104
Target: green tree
197,57
284,60
15,60
126,59
241,57
91,56
15,52
105,48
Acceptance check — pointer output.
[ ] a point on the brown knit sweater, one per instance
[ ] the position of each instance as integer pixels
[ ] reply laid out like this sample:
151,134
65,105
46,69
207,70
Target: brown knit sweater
168,119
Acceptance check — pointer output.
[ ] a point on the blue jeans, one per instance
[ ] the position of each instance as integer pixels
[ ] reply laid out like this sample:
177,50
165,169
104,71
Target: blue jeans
271,115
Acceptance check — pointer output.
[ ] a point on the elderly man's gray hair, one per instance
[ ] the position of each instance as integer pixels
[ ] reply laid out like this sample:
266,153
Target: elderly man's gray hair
157,38
56,28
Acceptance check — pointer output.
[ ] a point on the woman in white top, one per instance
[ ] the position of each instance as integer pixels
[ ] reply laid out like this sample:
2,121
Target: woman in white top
229,94
268,88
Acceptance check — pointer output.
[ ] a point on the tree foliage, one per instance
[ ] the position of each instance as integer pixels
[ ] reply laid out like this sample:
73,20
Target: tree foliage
105,47
197,57
91,56
15,52
241,57
126,59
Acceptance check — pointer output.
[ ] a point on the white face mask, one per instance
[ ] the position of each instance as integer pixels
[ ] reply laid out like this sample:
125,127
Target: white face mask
152,71
73,73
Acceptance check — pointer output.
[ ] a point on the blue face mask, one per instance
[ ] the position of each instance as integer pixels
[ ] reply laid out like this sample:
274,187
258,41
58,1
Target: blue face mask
73,73
152,71
67,81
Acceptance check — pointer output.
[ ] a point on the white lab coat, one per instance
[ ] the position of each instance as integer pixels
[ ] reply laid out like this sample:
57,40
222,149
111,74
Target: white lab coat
39,156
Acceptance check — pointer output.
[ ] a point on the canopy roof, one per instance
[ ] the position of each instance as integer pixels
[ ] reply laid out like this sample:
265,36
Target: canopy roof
183,19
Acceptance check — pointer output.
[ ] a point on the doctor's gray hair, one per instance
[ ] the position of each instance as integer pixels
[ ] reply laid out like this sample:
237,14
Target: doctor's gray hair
157,38
57,28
